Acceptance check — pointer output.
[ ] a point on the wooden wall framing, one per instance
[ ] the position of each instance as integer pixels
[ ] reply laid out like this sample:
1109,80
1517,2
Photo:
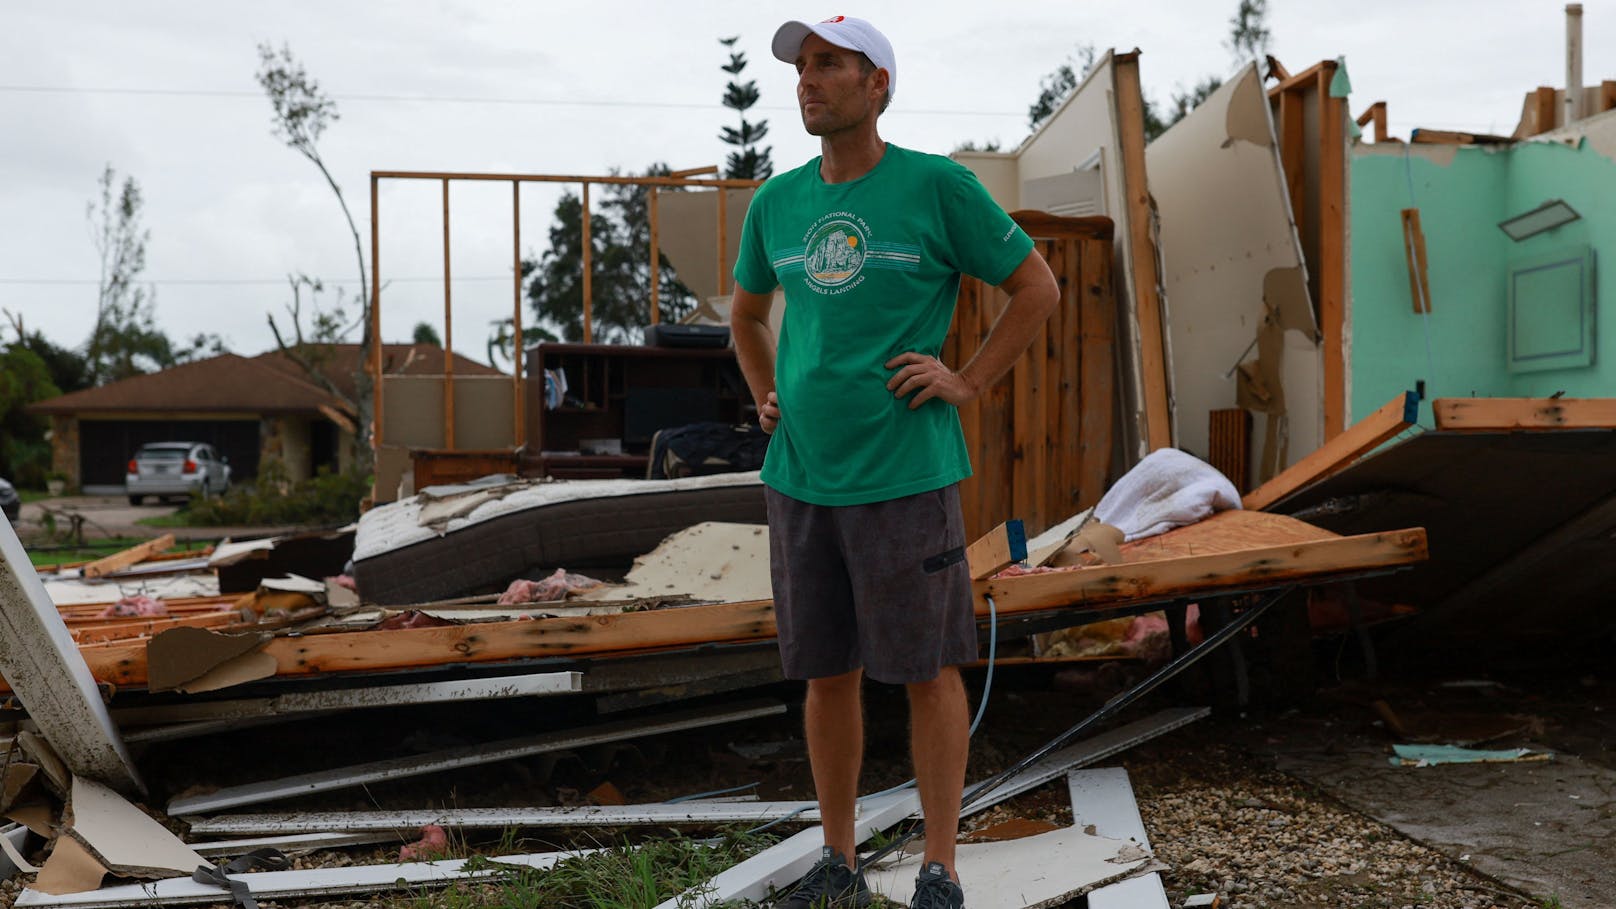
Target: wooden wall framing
1040,440
1312,127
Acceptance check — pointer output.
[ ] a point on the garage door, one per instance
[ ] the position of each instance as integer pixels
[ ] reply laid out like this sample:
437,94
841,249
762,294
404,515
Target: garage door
105,446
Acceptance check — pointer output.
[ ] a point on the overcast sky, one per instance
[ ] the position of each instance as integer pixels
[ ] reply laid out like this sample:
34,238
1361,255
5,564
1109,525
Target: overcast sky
163,90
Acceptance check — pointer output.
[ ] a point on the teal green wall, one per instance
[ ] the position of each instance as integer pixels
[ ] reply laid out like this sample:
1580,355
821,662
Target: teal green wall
1461,200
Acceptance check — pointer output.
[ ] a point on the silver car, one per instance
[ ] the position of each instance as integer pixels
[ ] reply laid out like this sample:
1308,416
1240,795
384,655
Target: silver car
175,469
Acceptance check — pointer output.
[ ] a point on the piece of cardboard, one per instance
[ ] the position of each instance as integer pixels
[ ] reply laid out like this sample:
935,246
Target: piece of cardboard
71,868
36,816
249,667
19,778
184,654
126,840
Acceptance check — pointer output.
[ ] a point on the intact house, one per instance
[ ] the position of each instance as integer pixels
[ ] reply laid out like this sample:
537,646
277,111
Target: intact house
250,409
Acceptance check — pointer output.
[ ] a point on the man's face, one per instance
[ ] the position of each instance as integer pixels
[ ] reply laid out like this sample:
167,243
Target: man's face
833,91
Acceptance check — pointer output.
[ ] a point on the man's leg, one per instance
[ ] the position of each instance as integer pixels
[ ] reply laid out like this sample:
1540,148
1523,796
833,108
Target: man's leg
940,737
834,723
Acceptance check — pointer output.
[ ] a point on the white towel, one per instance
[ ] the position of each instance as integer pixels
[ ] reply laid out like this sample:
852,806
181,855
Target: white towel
1167,489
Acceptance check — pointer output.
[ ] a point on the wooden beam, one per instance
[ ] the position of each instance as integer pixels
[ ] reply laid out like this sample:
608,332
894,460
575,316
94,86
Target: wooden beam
375,319
518,408
134,555
1529,414
1277,70
1419,279
1335,455
448,334
1000,548
1303,80
1333,250
1200,576
723,238
1454,137
1543,110
53,683
1142,253
588,270
1376,113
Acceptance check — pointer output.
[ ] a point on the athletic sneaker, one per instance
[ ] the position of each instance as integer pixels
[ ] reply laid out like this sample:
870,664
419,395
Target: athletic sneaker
934,889
830,884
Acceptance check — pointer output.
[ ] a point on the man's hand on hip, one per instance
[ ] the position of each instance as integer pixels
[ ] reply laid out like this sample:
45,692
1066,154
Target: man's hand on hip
926,378
769,413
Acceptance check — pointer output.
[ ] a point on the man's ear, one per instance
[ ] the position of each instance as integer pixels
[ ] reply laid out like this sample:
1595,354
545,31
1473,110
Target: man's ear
879,81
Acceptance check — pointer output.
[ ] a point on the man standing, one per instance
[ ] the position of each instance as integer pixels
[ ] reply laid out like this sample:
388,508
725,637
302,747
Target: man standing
866,535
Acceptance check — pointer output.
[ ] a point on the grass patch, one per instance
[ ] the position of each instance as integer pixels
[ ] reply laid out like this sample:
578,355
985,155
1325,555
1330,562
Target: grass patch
625,876
29,496
92,550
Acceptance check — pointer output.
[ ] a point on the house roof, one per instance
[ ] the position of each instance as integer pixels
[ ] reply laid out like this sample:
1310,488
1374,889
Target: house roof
268,383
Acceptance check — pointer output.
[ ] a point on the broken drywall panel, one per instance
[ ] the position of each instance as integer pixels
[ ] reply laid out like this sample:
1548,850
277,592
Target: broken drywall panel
1102,798
784,863
688,236
364,696
712,561
70,592
305,884
693,812
42,665
1086,134
1233,264
1033,872
417,765
123,838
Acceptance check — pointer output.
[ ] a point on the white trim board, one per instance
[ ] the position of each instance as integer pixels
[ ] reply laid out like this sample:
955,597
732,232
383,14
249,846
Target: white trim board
364,696
269,885
43,667
1104,797
417,765
297,842
696,813
787,861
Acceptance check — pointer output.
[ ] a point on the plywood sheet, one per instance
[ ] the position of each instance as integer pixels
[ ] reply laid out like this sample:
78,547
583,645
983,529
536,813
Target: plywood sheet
1231,253
688,235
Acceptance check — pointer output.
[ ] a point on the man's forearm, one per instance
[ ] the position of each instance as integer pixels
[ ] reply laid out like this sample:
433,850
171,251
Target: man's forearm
1023,316
754,350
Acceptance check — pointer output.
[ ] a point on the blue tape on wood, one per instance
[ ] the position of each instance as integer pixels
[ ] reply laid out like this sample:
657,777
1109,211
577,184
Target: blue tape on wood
1411,407
1017,532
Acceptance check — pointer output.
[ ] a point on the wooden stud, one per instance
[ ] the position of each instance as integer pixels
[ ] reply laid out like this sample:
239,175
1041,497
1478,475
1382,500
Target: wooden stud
588,269
132,556
518,355
1337,454
1202,576
375,316
1543,110
1419,279
1529,414
1607,95
1293,151
1302,81
1453,137
1332,251
448,335
1142,254
1376,112
1277,70
652,194
1000,548
723,238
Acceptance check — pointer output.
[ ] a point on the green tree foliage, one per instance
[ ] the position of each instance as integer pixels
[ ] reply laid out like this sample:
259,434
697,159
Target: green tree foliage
620,243
25,456
124,340
1053,88
747,162
426,334
1248,31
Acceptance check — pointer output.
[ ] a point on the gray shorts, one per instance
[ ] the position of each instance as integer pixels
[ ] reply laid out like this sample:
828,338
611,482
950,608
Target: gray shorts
882,586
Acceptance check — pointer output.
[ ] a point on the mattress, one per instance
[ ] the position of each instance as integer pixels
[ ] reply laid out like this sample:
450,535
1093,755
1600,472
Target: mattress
529,529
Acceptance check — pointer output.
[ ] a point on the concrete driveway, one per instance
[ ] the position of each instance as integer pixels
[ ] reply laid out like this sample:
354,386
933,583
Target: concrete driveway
111,516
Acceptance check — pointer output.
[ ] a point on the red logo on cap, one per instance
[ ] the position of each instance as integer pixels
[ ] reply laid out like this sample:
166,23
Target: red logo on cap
833,19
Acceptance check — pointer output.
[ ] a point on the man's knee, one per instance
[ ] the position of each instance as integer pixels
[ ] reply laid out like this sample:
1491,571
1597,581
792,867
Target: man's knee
945,686
836,686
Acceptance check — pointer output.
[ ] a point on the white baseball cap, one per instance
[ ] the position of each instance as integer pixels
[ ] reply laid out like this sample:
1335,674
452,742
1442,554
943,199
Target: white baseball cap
842,31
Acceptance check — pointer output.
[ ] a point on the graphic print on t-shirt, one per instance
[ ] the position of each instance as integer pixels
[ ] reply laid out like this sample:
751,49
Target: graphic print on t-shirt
837,249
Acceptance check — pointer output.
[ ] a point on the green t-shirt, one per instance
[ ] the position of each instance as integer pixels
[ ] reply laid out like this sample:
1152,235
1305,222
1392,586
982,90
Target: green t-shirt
871,269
